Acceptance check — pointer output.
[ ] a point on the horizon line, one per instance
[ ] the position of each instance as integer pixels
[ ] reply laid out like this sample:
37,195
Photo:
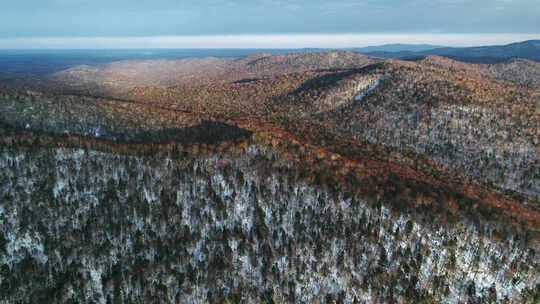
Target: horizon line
261,41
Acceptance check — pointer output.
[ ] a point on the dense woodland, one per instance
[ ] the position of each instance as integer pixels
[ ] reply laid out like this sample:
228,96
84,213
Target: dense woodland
80,225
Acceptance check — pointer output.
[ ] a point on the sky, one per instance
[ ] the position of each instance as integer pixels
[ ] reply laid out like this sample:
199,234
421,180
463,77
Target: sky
258,23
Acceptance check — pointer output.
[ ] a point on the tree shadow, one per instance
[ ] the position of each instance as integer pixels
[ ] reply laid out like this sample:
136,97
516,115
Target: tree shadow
207,131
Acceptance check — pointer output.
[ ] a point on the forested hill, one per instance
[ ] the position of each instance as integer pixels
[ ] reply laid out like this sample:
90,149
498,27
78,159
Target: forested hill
327,177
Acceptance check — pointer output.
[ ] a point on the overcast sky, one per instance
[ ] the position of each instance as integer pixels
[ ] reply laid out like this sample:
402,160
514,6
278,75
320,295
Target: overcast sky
95,20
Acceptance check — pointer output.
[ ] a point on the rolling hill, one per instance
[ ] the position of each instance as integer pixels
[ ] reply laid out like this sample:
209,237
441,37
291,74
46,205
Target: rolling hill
301,177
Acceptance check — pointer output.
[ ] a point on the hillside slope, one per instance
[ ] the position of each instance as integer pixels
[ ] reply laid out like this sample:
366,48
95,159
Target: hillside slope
235,221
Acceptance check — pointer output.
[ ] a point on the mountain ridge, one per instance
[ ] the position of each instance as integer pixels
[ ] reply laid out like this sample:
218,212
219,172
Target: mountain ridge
529,49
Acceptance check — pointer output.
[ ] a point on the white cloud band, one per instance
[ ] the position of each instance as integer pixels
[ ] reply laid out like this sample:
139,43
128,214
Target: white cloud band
261,41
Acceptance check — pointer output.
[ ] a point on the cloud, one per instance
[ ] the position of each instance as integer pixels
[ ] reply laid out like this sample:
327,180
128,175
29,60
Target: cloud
261,41
99,18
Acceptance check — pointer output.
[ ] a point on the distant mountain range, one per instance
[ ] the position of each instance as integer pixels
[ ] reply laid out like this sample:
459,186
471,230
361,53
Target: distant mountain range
42,62
399,47
482,54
